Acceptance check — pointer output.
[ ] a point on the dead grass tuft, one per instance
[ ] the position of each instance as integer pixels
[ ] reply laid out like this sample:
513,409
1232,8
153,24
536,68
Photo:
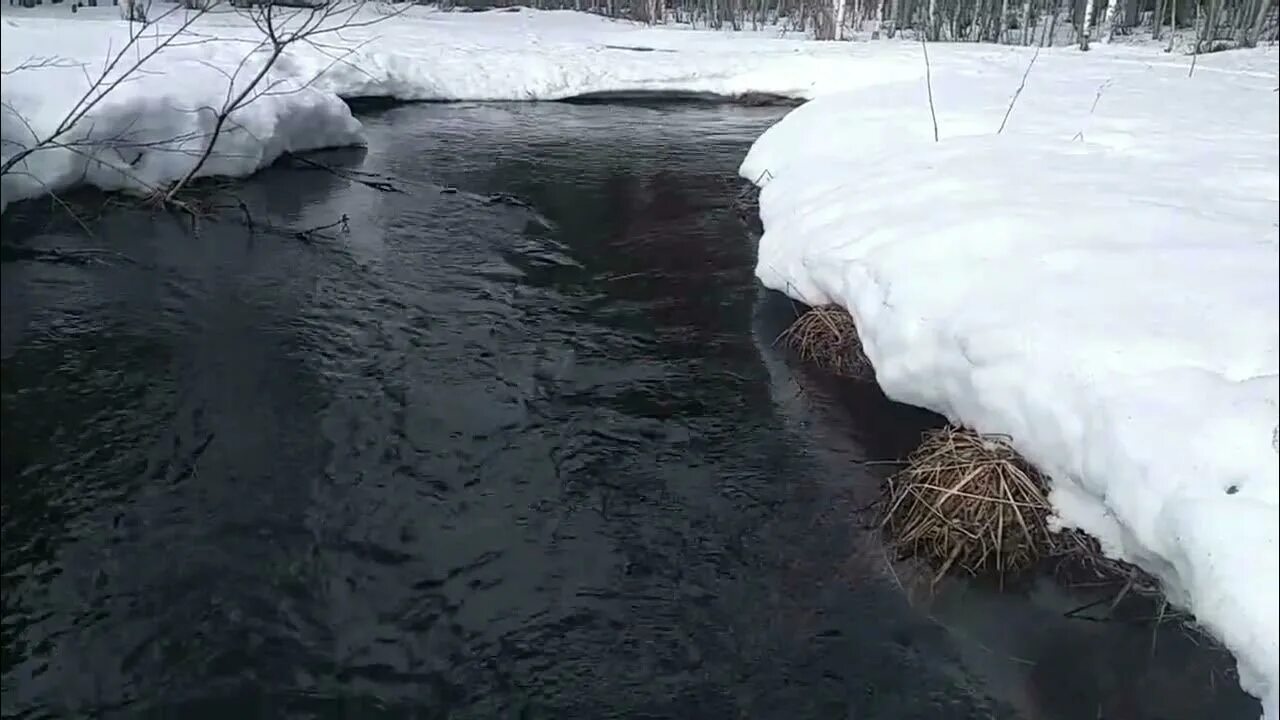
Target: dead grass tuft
827,337
969,500
1082,564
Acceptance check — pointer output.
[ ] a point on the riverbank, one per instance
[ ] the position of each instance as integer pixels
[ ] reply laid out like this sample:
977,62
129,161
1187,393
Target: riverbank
1037,635
148,132
1078,251
1098,283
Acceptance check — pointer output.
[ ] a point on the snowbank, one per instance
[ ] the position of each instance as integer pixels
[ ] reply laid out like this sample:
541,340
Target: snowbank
1100,283
128,141
150,130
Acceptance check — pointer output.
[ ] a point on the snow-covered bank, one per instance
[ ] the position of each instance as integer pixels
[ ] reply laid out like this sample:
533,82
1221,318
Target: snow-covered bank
1100,283
128,141
150,130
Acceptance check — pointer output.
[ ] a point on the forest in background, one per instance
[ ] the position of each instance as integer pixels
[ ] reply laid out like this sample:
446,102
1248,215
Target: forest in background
1183,25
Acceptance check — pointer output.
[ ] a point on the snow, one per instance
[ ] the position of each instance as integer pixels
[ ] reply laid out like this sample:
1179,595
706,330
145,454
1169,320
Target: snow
149,130
1099,283
128,140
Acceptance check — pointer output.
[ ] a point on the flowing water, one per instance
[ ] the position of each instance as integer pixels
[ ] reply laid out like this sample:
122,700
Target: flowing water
514,443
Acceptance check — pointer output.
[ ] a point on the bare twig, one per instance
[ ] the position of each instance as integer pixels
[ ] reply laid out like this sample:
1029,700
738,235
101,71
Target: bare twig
280,29
1098,96
1101,89
363,177
39,63
82,256
1013,100
1200,35
305,235
116,70
928,83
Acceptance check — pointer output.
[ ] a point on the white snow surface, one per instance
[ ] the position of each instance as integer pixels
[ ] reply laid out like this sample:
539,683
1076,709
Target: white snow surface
1099,282
128,140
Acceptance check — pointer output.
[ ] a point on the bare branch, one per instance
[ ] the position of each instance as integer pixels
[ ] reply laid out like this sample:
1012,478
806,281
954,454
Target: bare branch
40,63
280,29
1021,85
105,83
928,83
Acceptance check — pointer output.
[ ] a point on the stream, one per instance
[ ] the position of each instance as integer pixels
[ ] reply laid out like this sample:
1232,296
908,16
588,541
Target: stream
510,440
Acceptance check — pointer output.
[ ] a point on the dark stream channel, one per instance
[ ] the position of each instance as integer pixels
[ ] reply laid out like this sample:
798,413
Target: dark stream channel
476,459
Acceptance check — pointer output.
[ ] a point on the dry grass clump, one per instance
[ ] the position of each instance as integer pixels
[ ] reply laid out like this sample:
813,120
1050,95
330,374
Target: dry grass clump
969,500
746,202
1081,563
827,337
1137,596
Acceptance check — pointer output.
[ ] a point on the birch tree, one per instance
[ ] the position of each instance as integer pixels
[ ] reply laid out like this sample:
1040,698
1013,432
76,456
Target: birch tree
1088,22
1264,6
1110,19
1247,21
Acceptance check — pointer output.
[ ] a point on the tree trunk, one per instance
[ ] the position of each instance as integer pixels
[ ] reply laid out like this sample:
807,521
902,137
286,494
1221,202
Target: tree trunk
837,19
1110,19
1255,32
1088,23
1199,26
1047,35
1132,15
1173,24
1208,26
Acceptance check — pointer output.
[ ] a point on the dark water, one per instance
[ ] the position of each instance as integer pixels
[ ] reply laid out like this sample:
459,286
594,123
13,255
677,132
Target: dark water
473,459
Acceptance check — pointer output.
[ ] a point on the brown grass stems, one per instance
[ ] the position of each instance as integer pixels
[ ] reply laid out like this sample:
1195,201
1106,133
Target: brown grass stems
827,337
968,500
